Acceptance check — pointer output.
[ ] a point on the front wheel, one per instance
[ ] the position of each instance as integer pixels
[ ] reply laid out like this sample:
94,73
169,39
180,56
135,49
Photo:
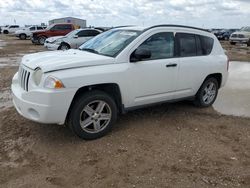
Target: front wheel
64,46
92,115
207,93
6,32
248,43
41,40
22,36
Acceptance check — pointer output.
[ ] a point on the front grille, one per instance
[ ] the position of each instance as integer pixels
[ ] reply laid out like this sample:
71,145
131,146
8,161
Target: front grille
238,36
24,76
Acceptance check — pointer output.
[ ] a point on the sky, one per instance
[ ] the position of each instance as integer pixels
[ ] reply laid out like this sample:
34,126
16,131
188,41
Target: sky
199,13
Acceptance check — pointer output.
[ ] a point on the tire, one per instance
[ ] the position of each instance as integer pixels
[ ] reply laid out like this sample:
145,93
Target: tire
207,93
85,119
41,40
64,46
22,36
232,43
248,43
6,32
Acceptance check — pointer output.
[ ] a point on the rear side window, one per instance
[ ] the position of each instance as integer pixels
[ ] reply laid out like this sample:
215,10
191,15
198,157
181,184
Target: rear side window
207,44
161,45
194,45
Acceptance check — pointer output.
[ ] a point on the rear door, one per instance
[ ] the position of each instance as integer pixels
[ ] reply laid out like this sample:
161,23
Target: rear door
194,63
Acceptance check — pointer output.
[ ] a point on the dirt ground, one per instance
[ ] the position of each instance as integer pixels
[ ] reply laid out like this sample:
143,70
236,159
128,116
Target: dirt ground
171,145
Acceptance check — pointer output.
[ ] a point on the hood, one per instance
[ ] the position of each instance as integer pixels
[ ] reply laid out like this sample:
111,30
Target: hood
39,31
51,61
242,33
52,39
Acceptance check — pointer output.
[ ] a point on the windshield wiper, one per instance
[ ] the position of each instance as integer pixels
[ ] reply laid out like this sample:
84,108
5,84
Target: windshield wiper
89,50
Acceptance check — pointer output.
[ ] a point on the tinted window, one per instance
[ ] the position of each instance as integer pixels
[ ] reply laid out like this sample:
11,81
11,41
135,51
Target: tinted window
39,28
207,44
187,44
88,33
61,27
194,45
14,26
161,45
32,28
199,49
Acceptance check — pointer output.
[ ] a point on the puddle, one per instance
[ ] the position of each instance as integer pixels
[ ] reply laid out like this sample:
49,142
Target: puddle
5,99
10,61
234,97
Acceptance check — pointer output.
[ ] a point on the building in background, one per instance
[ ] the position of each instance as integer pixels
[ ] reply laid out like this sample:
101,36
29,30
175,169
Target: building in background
79,23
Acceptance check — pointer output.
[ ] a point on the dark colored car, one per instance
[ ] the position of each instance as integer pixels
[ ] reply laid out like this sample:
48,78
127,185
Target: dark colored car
62,29
225,34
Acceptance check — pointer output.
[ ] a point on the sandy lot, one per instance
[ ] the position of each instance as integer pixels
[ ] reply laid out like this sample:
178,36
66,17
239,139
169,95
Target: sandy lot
171,145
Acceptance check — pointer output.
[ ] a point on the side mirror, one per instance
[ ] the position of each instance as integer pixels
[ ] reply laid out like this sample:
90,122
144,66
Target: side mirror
75,36
140,54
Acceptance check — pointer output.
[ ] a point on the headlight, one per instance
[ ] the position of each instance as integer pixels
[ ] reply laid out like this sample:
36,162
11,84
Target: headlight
37,76
53,83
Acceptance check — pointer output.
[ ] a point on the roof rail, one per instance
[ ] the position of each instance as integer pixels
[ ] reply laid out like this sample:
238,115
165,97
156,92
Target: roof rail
171,25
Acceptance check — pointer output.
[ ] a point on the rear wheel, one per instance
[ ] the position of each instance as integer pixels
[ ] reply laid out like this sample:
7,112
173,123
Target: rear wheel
207,93
22,36
41,40
92,115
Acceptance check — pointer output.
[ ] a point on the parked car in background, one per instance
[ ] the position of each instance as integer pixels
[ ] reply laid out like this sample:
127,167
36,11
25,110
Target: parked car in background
119,70
225,34
10,29
39,37
74,39
242,36
26,32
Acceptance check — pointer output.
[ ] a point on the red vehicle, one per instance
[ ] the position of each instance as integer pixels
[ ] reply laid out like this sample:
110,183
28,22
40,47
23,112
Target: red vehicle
62,29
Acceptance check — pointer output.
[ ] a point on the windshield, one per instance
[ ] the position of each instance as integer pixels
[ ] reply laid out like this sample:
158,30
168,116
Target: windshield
72,33
246,29
110,43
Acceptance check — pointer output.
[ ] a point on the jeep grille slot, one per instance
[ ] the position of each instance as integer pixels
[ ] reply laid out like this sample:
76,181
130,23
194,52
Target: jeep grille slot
24,76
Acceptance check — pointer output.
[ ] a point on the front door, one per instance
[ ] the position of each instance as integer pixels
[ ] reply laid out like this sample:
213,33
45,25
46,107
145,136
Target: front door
153,79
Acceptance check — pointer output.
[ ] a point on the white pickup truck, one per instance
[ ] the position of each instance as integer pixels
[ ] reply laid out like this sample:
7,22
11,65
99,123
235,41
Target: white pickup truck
10,29
117,71
27,32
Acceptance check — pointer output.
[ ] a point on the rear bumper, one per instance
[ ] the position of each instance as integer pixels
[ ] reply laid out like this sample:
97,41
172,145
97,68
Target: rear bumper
42,105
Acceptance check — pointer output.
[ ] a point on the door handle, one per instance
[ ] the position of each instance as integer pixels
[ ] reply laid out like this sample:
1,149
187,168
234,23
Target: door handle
171,65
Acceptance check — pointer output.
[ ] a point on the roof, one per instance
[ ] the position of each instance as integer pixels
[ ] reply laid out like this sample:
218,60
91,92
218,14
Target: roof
67,18
155,26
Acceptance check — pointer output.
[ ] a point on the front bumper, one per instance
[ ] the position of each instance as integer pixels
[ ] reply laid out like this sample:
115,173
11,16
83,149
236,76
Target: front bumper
51,46
239,40
42,105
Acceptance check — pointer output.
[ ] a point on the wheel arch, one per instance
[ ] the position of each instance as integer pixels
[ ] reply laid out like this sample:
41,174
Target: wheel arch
111,89
65,43
217,76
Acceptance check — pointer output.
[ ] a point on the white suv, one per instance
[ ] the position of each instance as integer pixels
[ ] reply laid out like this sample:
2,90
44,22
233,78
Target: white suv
10,29
27,32
117,71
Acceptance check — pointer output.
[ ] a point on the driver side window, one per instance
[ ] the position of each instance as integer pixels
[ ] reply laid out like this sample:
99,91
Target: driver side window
161,45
